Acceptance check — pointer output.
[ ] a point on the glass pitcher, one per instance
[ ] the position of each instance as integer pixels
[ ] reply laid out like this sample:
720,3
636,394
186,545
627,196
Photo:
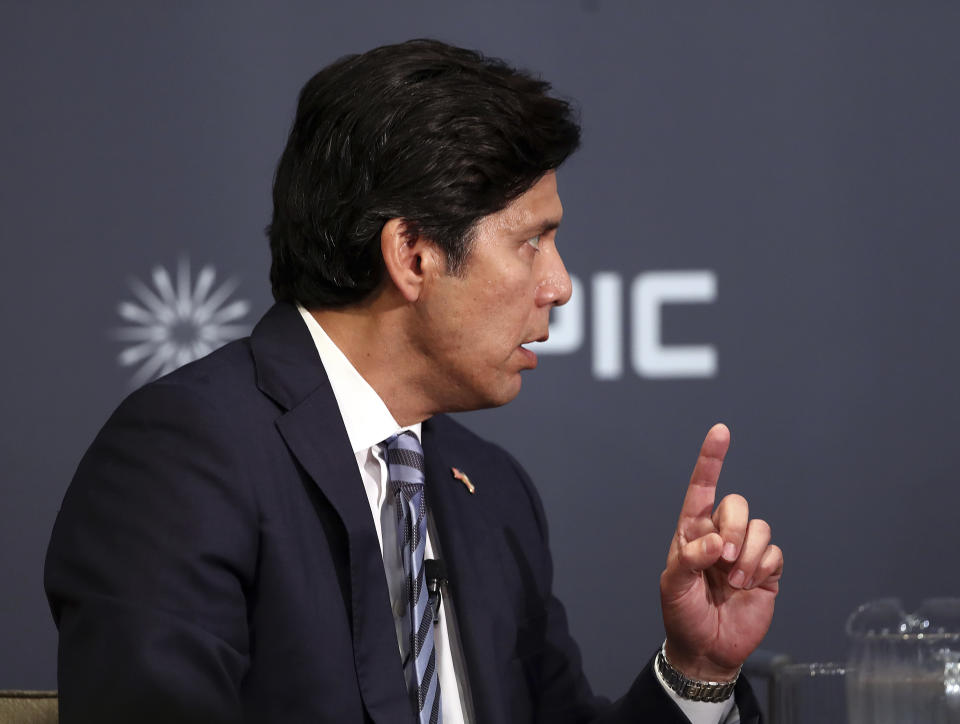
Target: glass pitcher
904,668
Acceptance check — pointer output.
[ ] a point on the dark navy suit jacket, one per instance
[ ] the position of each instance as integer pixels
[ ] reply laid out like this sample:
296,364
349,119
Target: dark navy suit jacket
215,560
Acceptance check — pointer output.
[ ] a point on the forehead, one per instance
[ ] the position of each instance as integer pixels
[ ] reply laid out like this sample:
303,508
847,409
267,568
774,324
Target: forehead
537,209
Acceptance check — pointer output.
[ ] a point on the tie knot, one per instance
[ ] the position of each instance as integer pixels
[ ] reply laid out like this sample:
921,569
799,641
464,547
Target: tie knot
405,458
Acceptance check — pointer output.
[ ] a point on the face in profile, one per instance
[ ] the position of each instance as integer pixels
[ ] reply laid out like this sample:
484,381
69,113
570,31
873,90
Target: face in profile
472,326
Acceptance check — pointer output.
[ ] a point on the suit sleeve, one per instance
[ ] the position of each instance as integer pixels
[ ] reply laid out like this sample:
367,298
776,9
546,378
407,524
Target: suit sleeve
563,691
146,570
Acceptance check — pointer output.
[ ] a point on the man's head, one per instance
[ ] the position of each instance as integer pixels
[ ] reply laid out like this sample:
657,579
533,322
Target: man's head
437,136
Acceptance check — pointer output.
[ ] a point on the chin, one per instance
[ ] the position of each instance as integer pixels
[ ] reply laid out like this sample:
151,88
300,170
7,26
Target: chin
496,398
508,393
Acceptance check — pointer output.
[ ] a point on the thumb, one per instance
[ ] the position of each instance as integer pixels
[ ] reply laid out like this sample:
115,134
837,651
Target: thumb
688,560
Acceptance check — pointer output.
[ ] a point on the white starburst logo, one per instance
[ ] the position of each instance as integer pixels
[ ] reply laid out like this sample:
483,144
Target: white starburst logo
175,323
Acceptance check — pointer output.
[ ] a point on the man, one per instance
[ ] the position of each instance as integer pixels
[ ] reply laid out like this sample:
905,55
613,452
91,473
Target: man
246,539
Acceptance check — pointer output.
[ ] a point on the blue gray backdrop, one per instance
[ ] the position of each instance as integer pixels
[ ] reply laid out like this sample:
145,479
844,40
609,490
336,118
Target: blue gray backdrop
763,224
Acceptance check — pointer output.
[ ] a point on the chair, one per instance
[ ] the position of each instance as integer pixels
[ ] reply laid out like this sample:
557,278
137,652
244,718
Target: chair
28,707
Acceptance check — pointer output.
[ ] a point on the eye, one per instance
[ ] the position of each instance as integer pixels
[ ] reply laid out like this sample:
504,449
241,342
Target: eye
534,241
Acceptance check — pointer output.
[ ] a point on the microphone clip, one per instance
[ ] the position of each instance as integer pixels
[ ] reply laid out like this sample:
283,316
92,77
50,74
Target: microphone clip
435,574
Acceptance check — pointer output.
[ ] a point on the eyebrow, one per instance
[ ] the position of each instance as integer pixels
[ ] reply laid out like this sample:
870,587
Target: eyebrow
543,228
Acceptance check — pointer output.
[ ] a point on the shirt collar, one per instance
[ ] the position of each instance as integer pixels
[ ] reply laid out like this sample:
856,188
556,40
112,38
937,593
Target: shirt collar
365,415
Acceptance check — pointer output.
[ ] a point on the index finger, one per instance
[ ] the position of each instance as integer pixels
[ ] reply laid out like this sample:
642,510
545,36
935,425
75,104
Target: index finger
702,490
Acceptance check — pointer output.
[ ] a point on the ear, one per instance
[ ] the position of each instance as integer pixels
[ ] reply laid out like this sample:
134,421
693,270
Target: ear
411,261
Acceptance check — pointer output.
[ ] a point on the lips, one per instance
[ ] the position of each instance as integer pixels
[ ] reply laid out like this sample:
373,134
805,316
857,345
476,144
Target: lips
542,338
529,357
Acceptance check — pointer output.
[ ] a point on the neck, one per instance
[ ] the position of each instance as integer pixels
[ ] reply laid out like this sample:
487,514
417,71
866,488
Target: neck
371,335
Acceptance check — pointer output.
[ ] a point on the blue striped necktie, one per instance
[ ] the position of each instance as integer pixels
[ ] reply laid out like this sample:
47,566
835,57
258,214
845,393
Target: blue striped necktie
405,465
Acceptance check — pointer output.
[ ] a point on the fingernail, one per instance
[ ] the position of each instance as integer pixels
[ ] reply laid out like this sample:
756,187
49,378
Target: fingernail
729,552
749,584
736,579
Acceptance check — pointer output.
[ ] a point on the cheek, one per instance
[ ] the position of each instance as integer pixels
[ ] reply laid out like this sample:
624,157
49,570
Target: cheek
492,315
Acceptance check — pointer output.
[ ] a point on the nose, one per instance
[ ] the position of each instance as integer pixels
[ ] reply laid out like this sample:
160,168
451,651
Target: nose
555,288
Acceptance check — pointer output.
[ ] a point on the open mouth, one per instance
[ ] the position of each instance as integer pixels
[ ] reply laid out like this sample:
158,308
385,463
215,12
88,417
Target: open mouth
528,355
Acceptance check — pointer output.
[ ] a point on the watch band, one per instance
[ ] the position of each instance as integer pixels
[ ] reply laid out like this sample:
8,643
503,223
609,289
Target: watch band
693,689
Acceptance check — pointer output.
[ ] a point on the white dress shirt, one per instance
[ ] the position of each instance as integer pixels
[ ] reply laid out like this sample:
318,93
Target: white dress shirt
368,423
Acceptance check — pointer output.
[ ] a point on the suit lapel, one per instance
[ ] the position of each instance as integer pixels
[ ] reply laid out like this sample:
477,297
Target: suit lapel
473,570
290,372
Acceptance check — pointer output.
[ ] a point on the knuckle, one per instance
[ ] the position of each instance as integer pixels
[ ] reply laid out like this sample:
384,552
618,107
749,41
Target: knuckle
736,499
685,556
733,501
734,507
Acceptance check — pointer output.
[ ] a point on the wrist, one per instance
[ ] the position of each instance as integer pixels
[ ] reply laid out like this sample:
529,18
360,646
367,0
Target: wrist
699,667
692,688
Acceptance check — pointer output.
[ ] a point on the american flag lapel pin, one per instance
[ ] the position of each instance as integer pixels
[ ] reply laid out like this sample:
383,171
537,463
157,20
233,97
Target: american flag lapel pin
462,477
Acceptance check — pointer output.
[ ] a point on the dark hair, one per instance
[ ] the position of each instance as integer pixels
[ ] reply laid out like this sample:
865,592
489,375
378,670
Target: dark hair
436,135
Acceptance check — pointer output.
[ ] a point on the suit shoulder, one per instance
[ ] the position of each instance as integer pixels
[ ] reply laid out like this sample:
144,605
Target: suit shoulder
222,369
207,382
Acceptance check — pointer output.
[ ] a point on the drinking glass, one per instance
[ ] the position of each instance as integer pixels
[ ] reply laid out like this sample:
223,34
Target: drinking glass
810,694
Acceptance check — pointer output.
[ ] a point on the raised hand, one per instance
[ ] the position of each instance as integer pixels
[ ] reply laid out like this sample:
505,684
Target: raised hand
722,576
